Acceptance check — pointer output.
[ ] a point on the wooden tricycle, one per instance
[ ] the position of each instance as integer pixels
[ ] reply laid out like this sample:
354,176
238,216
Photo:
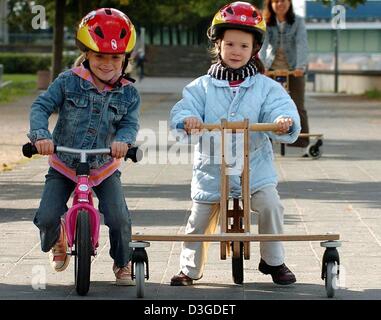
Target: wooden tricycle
235,236
314,150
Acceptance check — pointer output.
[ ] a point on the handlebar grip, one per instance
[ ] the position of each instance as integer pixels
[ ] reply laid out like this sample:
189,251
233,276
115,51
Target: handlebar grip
28,150
135,154
180,126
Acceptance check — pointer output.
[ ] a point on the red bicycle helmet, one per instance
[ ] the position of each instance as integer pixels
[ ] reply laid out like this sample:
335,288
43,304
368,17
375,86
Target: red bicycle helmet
106,30
238,15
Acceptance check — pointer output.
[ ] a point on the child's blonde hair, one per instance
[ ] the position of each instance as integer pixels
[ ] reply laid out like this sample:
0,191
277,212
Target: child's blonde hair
79,60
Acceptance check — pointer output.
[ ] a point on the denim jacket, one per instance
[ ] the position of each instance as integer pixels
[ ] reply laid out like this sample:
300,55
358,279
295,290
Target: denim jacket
259,99
87,118
295,44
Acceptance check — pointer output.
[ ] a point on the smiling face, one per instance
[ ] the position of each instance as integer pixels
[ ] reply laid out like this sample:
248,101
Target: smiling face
280,7
105,66
236,48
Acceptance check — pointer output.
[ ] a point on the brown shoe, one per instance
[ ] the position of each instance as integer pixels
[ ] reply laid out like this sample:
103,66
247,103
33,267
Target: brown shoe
123,275
58,257
181,279
280,274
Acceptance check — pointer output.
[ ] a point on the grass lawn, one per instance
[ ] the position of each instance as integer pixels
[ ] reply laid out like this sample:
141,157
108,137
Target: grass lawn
22,85
373,94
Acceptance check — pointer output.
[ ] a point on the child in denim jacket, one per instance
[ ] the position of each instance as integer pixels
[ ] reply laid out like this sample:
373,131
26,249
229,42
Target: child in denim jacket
235,89
97,108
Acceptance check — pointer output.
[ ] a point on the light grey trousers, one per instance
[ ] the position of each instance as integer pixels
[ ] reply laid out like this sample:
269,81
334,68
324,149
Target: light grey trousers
204,219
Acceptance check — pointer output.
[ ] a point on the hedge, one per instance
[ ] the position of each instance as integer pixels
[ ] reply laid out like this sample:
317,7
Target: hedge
31,62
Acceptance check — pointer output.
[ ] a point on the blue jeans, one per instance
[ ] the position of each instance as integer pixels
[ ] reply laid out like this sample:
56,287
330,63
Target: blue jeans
112,205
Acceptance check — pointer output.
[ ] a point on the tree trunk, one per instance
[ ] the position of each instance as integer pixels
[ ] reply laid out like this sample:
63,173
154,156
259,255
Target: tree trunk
170,34
83,7
189,34
58,37
178,35
161,35
151,34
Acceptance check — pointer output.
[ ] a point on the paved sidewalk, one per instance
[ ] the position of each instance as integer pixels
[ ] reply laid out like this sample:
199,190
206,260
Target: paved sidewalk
338,193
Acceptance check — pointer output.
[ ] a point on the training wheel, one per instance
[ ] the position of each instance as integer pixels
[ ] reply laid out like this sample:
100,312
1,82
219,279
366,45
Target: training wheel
314,151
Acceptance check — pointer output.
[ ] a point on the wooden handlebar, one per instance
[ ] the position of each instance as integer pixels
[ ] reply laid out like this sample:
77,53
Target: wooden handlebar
280,73
240,125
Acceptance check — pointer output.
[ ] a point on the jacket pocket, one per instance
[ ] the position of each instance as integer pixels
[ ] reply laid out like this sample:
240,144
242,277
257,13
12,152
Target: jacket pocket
116,110
74,105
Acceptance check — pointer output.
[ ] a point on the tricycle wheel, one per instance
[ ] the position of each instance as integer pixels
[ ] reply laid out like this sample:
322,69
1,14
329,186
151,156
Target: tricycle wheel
314,151
331,277
237,265
139,279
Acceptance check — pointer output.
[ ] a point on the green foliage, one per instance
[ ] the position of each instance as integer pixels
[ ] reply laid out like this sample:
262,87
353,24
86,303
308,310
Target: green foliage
21,85
30,62
373,94
20,16
142,12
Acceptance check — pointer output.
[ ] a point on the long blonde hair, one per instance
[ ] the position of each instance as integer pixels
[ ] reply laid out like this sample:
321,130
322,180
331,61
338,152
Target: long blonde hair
79,60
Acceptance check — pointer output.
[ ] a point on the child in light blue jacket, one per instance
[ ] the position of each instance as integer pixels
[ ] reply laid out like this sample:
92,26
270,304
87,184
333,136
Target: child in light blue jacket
234,89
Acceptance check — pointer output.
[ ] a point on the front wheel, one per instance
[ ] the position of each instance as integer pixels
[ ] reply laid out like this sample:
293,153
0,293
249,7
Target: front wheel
139,279
237,265
83,250
331,277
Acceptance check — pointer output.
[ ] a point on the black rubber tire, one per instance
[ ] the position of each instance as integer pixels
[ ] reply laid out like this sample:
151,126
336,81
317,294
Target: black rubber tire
314,151
139,279
83,249
237,266
331,279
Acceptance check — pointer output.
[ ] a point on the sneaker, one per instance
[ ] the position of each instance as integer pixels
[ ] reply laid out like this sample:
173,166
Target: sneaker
280,274
181,279
123,275
58,257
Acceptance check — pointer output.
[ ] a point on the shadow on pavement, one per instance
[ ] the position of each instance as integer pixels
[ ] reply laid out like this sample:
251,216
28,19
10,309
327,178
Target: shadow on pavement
107,290
334,191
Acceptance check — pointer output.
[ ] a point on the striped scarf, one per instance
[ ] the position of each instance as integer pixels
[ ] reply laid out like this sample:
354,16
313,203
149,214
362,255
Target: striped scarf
220,72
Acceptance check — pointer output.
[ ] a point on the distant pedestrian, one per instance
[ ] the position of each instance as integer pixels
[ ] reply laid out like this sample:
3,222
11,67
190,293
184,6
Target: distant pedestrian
286,47
140,59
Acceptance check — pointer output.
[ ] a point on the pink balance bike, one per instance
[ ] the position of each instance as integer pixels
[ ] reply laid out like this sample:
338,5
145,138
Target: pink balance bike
82,220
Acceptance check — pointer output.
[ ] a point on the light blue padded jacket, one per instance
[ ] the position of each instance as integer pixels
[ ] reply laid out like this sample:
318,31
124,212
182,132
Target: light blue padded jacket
259,99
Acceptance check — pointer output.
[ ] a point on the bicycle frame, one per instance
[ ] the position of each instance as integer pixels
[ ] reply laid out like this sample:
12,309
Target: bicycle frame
82,200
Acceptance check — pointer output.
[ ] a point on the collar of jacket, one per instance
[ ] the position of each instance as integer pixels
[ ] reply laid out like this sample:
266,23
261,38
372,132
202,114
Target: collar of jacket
87,85
248,82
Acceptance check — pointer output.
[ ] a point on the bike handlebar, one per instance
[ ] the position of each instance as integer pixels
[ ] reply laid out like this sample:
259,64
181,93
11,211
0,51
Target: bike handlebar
133,153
